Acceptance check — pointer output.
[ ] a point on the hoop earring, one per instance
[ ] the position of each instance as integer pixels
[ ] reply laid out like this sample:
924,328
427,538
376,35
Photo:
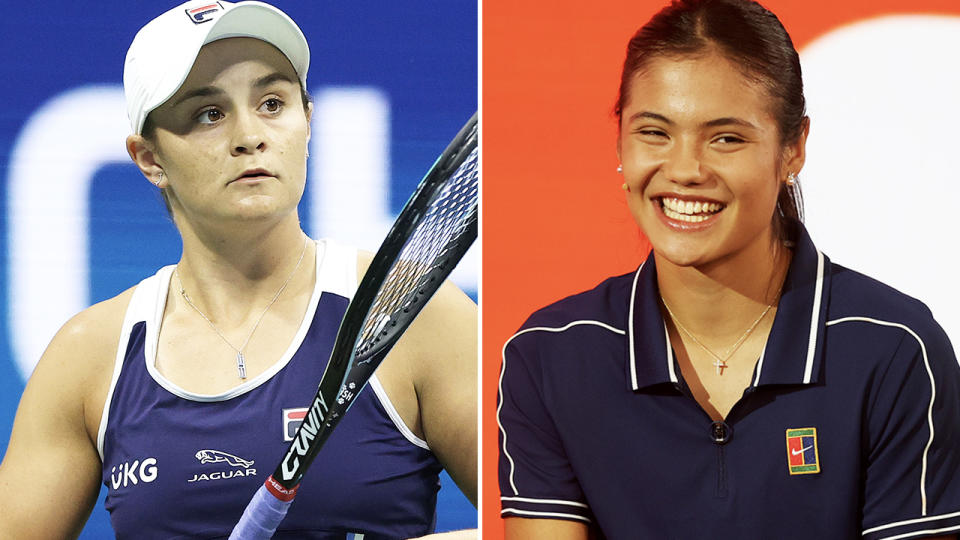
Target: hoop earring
159,179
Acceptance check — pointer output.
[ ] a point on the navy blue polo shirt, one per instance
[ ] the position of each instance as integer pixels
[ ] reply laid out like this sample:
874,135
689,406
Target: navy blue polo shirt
850,427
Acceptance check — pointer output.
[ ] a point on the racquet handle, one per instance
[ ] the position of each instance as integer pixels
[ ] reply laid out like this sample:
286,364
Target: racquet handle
262,516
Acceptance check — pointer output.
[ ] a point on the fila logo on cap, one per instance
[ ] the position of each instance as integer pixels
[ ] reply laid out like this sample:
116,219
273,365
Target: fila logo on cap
204,13
292,418
803,457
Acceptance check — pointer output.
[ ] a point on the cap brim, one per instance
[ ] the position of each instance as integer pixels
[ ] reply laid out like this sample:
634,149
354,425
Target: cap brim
247,19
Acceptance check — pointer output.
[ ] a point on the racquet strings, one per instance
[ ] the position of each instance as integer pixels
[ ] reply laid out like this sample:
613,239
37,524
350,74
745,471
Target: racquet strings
424,252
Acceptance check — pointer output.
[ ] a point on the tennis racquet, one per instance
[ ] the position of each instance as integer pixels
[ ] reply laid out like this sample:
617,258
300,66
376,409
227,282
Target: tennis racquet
428,239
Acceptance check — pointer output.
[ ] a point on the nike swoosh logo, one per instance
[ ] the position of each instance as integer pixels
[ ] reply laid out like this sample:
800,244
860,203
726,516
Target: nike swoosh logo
800,451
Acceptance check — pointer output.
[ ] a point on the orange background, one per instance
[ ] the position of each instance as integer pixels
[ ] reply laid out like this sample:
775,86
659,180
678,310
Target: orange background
554,217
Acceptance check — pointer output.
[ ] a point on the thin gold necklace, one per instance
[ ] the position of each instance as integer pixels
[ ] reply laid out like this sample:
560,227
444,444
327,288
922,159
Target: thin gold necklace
241,364
721,363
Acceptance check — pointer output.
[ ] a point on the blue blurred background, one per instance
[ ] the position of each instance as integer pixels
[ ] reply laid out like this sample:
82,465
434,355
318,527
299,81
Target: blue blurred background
393,82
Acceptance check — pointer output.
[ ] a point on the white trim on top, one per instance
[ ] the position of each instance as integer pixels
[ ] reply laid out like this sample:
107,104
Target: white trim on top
814,320
394,415
910,522
633,359
933,397
153,338
503,369
140,301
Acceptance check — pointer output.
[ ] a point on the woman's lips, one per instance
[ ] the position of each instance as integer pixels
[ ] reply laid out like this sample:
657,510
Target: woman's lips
253,176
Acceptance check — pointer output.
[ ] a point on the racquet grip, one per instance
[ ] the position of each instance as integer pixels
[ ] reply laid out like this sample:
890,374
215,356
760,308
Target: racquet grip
261,517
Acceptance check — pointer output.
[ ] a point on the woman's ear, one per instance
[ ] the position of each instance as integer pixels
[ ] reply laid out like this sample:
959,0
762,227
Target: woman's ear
144,155
795,154
309,112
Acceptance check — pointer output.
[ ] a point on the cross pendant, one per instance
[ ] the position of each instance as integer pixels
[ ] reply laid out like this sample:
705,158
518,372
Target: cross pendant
241,367
721,365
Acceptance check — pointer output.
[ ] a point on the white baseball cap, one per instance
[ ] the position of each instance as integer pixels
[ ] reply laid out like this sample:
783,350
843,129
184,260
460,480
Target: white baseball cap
163,51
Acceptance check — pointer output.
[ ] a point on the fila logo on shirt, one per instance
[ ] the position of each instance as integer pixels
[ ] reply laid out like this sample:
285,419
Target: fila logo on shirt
128,473
803,456
292,418
240,467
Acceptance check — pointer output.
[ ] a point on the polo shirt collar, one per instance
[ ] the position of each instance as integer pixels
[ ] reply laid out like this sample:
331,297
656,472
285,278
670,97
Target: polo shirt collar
794,350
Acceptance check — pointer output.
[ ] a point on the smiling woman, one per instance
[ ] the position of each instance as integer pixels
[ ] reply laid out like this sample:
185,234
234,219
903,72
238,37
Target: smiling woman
163,392
737,384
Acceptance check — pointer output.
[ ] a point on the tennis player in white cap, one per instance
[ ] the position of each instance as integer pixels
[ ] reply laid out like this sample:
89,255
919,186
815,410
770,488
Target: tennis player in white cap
181,394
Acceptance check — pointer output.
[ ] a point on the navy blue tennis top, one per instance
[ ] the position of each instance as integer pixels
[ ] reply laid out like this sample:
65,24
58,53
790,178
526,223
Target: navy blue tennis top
850,426
182,465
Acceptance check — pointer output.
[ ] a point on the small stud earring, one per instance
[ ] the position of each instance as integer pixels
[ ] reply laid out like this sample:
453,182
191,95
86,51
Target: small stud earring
620,168
791,179
625,187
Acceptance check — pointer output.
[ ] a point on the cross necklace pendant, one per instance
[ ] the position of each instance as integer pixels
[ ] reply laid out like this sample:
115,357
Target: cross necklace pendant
721,365
721,361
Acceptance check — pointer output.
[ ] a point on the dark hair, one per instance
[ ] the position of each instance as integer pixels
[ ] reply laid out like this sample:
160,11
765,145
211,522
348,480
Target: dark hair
750,36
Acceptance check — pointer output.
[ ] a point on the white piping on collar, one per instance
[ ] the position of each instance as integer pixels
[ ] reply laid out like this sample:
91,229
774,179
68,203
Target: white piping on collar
814,320
633,359
933,397
503,369
670,370
763,353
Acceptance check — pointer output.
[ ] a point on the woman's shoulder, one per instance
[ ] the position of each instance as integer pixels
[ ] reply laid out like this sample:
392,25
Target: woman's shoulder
605,305
79,362
855,296
93,333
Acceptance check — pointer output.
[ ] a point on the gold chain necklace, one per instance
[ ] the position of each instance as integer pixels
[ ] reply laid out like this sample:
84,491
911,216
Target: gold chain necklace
241,365
721,362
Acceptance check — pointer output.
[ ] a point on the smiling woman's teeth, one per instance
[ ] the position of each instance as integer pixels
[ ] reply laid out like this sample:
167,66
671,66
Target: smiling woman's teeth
693,212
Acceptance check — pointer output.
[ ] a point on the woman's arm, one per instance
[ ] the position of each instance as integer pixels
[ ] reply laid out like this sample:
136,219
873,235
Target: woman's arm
443,342
50,474
545,529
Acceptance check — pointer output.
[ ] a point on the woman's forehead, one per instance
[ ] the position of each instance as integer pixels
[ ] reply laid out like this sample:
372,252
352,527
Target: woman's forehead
698,86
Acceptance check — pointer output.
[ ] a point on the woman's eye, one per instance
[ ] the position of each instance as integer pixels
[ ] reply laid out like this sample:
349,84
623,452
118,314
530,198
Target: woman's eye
210,116
729,139
652,133
272,105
